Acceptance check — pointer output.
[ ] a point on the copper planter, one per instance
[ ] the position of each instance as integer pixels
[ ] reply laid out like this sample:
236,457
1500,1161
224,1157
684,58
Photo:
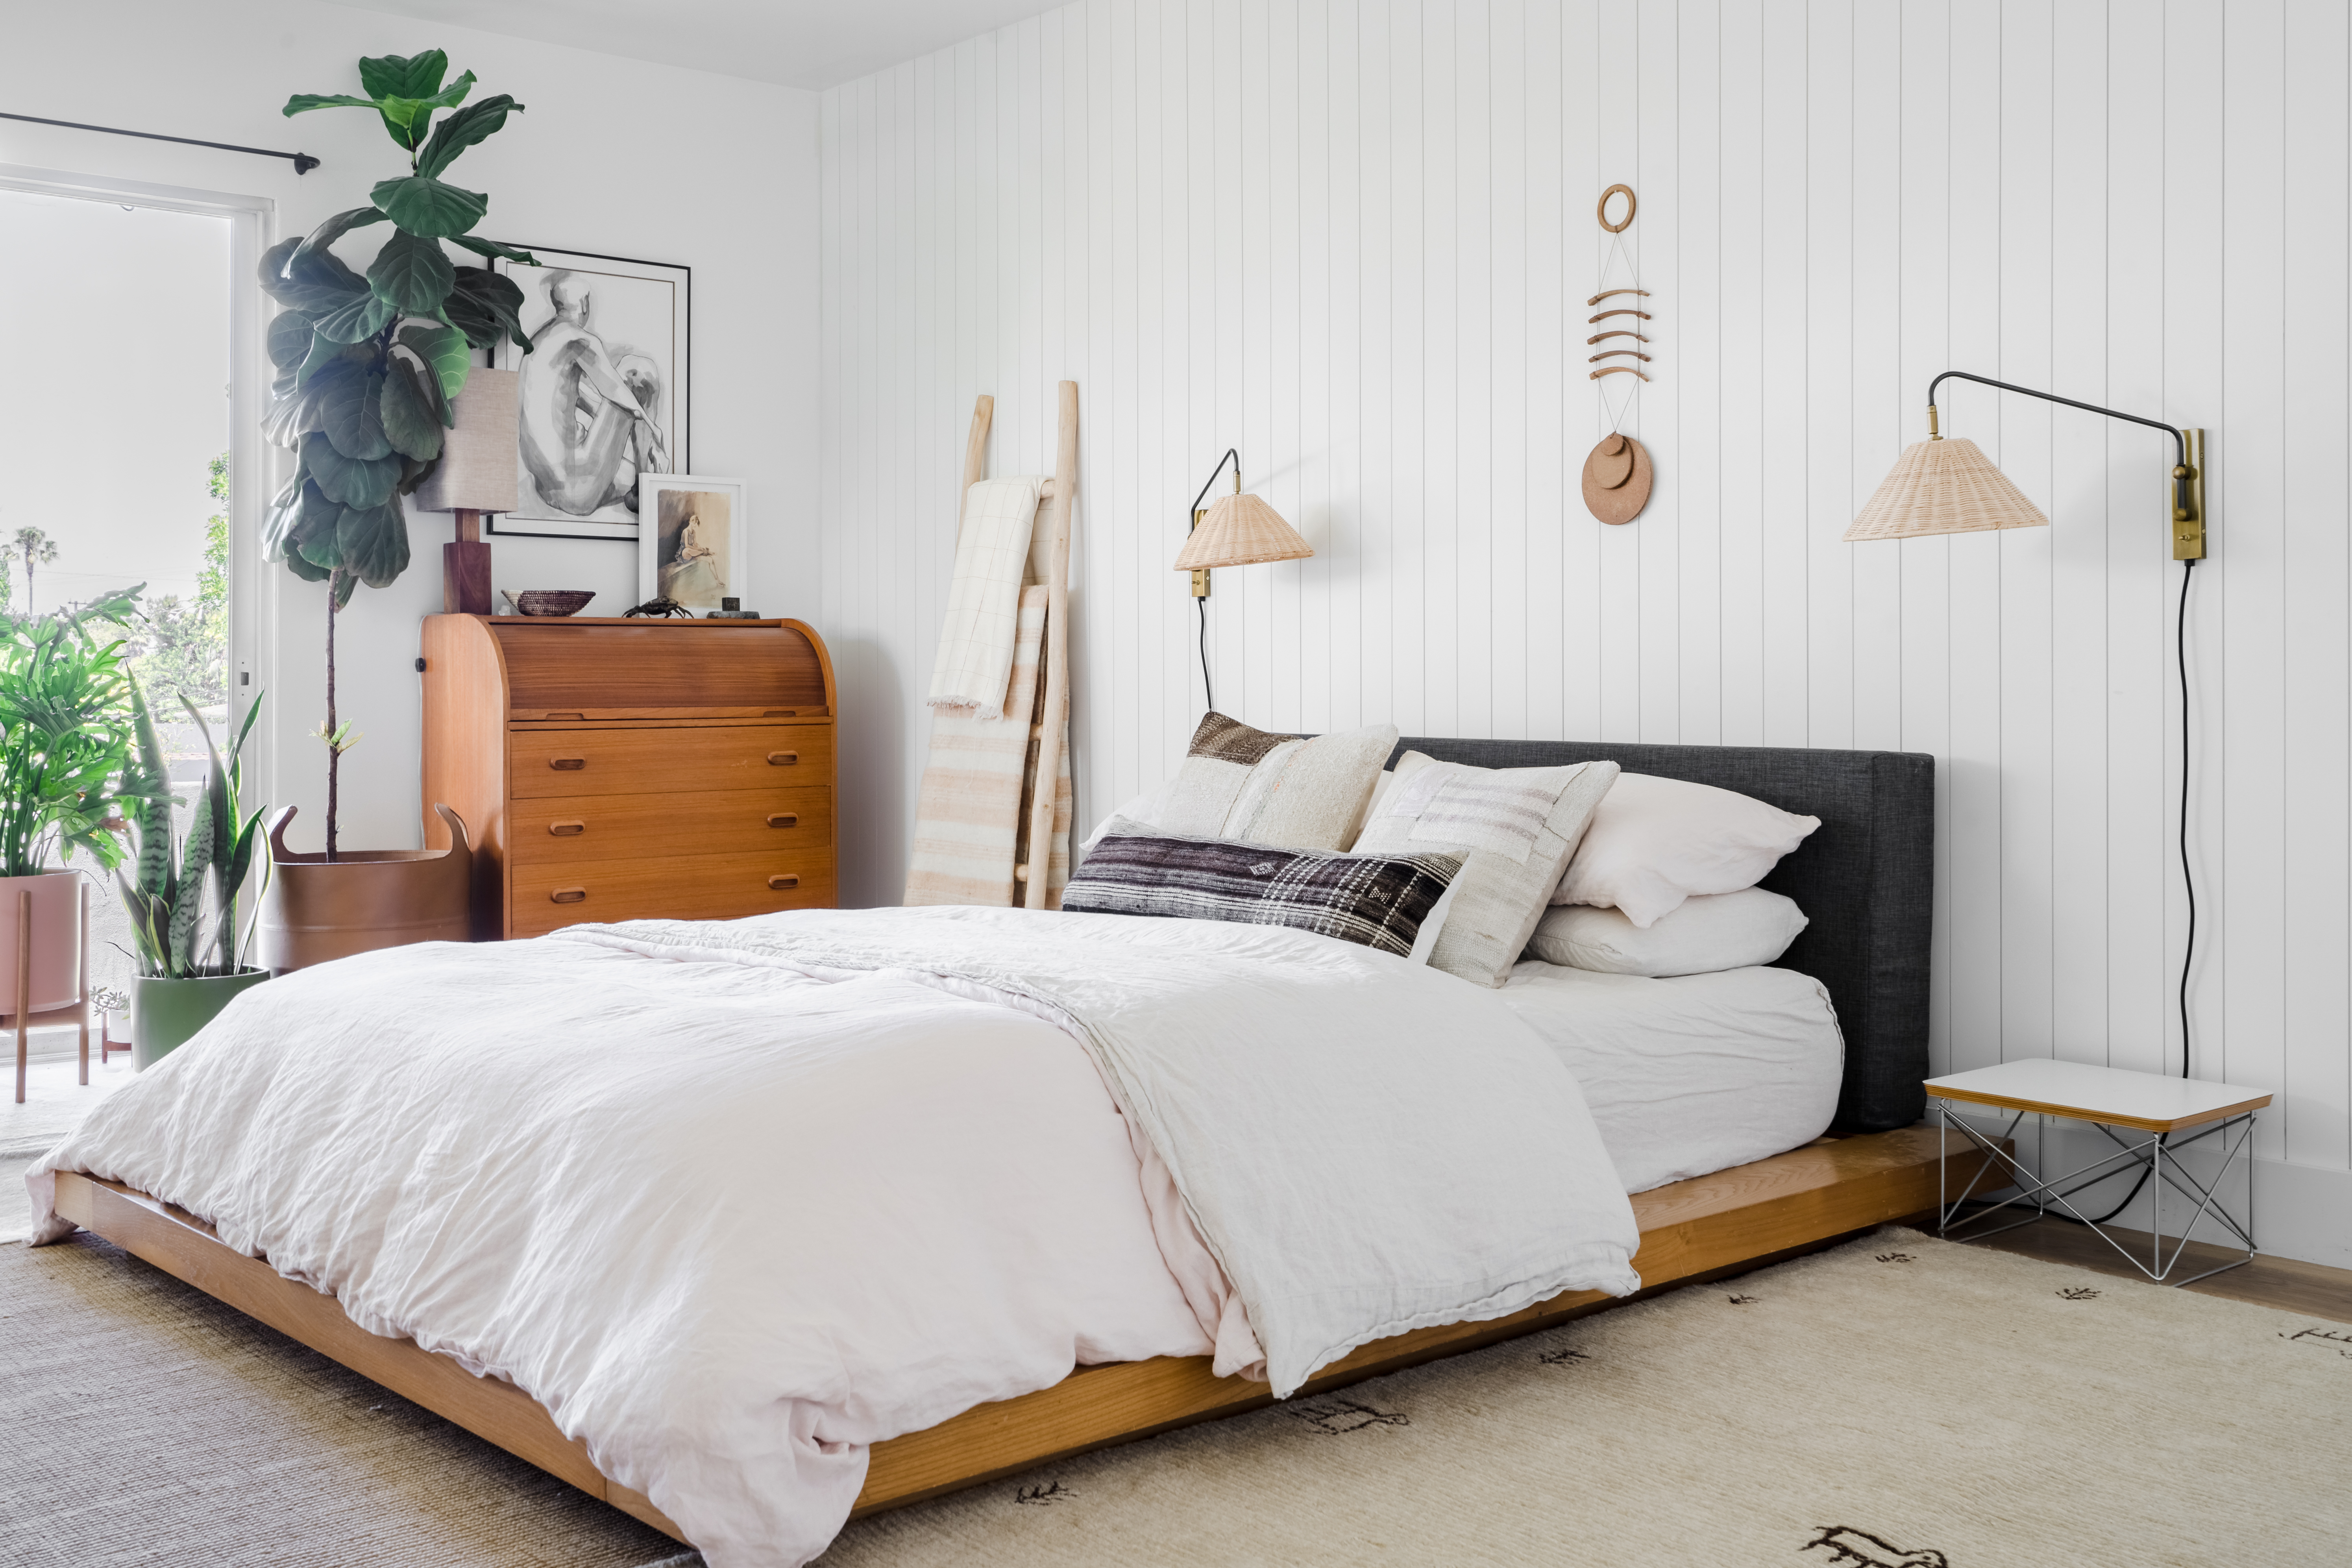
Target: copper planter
314,911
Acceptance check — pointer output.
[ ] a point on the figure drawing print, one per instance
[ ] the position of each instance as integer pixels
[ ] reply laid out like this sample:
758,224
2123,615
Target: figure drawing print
694,547
601,393
690,549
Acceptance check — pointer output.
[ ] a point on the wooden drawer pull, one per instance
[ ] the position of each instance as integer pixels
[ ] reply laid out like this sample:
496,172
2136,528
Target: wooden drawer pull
567,764
568,896
784,879
782,759
567,829
783,819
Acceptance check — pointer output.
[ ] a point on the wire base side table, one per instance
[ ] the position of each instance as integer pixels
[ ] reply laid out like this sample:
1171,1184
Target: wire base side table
2159,1116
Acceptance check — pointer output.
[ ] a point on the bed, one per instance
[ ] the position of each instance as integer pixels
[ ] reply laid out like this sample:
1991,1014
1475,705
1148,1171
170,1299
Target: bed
1864,878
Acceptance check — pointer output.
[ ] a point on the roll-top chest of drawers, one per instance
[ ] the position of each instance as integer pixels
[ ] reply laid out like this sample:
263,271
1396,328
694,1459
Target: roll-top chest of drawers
615,770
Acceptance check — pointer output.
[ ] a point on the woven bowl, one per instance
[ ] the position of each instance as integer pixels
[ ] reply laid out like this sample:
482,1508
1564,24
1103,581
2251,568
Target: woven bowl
553,601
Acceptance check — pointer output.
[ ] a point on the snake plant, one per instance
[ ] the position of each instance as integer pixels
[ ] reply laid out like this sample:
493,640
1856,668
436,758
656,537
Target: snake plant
165,888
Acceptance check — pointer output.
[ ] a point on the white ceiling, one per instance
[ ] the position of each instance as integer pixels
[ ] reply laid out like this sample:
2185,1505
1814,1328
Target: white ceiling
797,43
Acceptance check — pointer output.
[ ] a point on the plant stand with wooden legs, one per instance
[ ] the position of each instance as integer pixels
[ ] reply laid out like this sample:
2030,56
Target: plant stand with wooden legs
76,1011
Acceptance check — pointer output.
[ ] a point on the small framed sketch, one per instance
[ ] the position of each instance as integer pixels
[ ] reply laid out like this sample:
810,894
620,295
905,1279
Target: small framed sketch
690,543
604,392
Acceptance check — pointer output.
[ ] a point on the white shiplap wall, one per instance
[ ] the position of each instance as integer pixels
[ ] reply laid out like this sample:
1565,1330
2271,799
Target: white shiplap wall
1354,239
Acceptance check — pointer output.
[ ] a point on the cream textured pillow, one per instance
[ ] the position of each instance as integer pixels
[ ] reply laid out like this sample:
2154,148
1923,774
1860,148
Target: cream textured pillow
1245,786
1516,828
1655,841
1709,933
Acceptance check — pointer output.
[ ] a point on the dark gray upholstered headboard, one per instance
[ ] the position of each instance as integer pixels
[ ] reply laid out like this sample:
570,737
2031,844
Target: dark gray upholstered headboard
1865,880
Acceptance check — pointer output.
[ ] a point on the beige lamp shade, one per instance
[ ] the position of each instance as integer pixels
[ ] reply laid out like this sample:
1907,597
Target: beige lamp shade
478,471
1241,530
1944,487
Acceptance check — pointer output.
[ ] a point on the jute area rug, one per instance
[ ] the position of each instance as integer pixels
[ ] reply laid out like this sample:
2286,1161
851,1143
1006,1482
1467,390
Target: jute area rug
1898,1403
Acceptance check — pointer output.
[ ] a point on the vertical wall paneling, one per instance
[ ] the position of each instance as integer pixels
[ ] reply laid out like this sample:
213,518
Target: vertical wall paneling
1355,239
2140,879
2076,917
2317,344
2252,654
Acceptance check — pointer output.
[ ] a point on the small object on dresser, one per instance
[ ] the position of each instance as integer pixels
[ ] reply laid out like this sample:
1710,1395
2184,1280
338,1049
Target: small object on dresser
658,609
553,601
730,609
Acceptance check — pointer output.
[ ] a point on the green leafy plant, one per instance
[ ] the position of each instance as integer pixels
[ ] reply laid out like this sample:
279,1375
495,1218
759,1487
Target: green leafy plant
64,697
171,885
368,365
184,647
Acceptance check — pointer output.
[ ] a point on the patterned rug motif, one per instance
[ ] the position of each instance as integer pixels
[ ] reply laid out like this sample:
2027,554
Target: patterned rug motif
1896,1403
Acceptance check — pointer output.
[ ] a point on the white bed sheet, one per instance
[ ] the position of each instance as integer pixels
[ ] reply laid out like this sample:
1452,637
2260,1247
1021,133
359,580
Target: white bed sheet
1693,1074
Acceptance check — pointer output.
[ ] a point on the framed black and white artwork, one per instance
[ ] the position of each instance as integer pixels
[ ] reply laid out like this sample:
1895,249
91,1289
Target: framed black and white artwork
605,392
690,548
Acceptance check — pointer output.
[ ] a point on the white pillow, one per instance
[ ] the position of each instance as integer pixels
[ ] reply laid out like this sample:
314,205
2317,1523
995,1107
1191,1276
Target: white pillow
1143,808
1655,842
1516,828
1709,932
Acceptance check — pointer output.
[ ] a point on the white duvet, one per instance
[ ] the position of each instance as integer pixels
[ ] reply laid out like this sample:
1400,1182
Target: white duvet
736,1200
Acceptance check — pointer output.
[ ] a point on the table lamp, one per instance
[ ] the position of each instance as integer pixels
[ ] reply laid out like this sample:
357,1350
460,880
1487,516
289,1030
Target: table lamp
478,472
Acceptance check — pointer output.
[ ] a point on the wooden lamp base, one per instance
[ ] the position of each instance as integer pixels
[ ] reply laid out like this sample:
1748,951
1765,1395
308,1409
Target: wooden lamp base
466,569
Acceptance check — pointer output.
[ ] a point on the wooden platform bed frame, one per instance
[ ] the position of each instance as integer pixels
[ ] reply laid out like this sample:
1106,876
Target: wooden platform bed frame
1863,880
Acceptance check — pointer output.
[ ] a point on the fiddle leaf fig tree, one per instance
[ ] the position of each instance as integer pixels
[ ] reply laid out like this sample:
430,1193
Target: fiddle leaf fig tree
369,365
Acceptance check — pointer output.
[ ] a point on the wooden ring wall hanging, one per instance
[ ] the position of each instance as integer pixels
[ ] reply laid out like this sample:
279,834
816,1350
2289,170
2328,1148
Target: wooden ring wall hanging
1617,480
1617,473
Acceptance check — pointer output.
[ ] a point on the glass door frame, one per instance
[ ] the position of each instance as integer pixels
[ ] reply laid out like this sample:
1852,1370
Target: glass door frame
256,469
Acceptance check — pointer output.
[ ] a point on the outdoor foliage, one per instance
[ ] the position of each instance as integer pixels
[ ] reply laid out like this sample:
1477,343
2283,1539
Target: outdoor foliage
368,365
185,647
168,887
38,550
64,693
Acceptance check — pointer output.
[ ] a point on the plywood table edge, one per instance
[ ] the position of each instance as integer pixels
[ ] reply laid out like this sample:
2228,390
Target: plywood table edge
2107,1117
1689,1229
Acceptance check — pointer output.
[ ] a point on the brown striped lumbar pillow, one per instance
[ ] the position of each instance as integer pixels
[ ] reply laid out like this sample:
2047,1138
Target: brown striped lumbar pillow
1377,900
1291,791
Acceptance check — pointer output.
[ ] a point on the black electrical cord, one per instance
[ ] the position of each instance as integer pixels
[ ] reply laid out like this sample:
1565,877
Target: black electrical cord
2188,950
2188,881
1191,520
1209,698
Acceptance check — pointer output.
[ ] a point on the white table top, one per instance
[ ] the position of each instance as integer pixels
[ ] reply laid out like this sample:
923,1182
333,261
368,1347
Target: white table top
2113,1095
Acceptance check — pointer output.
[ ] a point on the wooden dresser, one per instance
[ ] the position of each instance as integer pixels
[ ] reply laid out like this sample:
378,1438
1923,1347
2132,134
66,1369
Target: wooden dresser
615,770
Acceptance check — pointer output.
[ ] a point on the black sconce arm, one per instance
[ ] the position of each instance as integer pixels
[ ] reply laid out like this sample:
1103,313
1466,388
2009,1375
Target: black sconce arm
2182,509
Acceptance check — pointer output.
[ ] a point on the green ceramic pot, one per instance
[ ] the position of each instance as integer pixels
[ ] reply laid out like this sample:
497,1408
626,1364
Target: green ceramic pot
166,1014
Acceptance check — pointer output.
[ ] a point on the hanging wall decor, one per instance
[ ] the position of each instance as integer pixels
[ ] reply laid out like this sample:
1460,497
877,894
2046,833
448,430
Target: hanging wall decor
1617,473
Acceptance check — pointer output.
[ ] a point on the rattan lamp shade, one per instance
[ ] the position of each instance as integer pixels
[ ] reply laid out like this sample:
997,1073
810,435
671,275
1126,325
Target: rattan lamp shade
478,471
1241,530
1944,487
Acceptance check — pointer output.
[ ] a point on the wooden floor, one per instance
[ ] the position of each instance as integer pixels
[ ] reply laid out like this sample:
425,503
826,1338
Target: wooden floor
2280,1282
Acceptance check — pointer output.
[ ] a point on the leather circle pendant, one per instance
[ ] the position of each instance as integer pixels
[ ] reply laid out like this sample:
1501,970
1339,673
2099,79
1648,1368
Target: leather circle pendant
1617,480
1611,463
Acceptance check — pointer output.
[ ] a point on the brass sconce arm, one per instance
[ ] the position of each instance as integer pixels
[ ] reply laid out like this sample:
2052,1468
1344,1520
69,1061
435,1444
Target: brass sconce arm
1233,456
2188,471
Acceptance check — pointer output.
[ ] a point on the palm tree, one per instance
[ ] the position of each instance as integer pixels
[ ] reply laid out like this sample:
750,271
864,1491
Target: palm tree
36,547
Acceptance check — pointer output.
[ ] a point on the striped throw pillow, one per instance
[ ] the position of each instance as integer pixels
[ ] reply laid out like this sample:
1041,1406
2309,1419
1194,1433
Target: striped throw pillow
1377,900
